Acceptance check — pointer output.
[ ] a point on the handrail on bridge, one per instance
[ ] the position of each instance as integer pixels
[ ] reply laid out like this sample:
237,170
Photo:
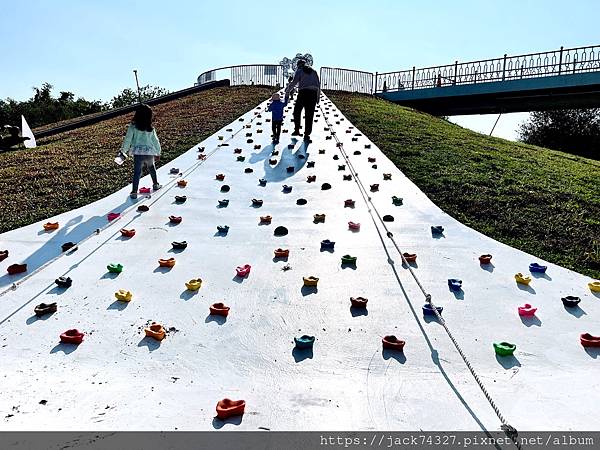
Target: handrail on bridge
246,74
532,65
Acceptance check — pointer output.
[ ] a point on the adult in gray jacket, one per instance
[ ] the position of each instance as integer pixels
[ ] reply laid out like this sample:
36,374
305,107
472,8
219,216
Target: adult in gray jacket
309,91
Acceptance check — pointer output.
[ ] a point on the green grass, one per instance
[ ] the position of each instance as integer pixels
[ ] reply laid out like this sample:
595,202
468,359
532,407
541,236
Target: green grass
541,201
74,168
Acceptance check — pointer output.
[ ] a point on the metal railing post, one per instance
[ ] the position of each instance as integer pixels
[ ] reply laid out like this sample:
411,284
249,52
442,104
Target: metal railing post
560,60
375,84
455,71
504,68
413,78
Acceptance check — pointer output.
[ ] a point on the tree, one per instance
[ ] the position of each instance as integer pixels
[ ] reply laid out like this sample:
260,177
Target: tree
130,97
575,131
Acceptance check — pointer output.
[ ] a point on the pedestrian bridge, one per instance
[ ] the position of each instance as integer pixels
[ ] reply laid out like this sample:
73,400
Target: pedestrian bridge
557,79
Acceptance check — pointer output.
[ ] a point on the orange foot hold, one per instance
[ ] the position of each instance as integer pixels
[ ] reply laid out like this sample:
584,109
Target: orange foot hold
227,408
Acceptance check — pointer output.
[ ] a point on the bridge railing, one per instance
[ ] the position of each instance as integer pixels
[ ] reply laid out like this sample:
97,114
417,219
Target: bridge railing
338,79
534,65
244,75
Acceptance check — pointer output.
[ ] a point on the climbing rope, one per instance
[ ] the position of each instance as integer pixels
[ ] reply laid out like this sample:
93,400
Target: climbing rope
163,191
509,430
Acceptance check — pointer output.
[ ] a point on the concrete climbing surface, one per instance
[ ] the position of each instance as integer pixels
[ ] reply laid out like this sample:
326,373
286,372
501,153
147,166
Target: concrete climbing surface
287,288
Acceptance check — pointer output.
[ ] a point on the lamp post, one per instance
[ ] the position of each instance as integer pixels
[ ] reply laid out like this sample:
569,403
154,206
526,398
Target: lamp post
138,85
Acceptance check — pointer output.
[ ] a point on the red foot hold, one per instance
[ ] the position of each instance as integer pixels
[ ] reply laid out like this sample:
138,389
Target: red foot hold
392,343
3,255
587,340
410,257
219,309
282,253
113,216
485,259
144,190
16,268
359,302
349,203
73,336
243,271
371,159
220,177
526,310
228,408
374,187
127,233
175,219
354,226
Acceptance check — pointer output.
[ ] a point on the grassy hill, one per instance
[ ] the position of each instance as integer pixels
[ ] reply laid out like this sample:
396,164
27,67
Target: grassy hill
542,201
74,168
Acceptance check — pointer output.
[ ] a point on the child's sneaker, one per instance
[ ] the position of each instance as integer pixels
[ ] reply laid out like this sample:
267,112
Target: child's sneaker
156,187
133,195
296,133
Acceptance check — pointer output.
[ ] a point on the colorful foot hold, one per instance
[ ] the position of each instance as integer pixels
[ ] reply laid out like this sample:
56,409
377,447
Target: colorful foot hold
290,169
227,408
262,182
325,186
179,245
16,268
410,257
45,308
123,296
272,161
280,231
336,157
3,255
181,183
220,177
301,201
127,233
429,311
67,246
310,164
357,152
526,310
287,189
144,190
359,302
180,198
241,158
455,284
174,171
537,268
354,226
304,341
522,279
321,151
374,187
237,151
112,216
319,218
257,147
64,282
342,167
219,309
350,260
387,176
51,226
143,208
266,219
170,262
326,244
587,340
391,342
194,284
73,336
175,219
223,203
311,178
437,229
115,268
257,202
570,301
485,259
347,177
223,229
349,203
248,170
155,331
282,253
397,201
225,188
594,286
371,159
310,281
243,271
388,218
504,348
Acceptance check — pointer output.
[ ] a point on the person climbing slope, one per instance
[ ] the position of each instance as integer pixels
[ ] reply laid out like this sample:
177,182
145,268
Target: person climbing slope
309,91
142,142
276,107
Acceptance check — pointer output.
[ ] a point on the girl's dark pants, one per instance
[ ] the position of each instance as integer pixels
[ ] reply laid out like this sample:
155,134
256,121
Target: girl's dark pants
307,99
276,127
139,161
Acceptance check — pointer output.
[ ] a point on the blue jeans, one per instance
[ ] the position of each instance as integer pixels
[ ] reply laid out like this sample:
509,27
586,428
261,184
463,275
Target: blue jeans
139,161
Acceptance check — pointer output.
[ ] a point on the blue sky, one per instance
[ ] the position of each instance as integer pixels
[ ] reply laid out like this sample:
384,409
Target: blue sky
91,47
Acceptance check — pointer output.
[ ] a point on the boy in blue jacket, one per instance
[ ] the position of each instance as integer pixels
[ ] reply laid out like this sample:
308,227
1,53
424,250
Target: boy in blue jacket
276,107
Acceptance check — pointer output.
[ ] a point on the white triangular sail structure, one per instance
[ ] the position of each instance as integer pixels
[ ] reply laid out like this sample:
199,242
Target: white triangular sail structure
26,132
